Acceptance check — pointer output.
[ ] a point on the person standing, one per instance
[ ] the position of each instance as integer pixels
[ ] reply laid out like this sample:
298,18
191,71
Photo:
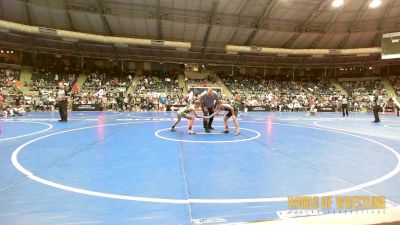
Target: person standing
185,113
62,100
232,112
126,102
162,102
208,99
120,101
345,106
19,98
130,79
396,104
376,106
312,104
190,96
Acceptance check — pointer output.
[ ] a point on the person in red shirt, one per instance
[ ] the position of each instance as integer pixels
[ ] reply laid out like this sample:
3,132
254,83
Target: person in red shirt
2,112
312,104
75,88
17,84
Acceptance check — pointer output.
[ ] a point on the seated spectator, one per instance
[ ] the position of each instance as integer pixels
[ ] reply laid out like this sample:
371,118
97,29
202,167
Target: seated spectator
360,92
395,81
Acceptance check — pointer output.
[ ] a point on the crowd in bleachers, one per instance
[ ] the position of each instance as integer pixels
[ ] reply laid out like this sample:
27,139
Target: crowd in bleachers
111,92
320,87
132,101
100,87
97,81
9,79
395,81
209,81
153,91
46,80
360,91
10,96
326,93
155,82
9,84
279,95
153,101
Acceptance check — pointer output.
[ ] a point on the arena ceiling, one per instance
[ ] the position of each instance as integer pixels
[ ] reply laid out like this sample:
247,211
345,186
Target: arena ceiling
209,25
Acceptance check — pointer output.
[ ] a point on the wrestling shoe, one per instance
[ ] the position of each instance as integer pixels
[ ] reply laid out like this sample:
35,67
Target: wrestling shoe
173,129
191,132
226,131
237,132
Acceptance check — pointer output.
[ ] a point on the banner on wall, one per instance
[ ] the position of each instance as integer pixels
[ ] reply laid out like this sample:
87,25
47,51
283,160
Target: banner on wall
259,108
326,109
86,107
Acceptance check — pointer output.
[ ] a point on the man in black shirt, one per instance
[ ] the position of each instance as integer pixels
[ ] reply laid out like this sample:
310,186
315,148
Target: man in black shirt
377,106
208,99
120,101
62,100
345,106
19,98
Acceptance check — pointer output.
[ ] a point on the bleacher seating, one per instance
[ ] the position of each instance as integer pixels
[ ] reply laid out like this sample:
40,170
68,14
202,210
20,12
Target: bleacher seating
9,84
395,81
155,82
253,91
324,91
209,81
45,80
361,90
247,90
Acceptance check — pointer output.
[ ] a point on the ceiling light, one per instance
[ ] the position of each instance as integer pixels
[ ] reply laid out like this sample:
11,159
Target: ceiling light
337,3
11,51
375,4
